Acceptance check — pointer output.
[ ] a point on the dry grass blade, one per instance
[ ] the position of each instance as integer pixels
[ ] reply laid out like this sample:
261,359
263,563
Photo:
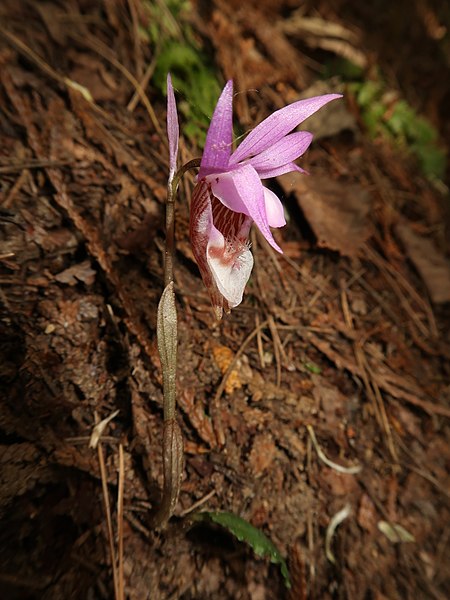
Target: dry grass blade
276,347
99,429
143,84
197,504
395,533
105,53
311,548
259,342
31,54
323,457
32,164
136,41
35,58
337,519
341,48
98,47
316,26
112,552
121,583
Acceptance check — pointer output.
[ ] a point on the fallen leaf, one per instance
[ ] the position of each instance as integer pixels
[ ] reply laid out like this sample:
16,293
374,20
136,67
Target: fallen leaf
73,275
92,75
337,212
431,264
336,118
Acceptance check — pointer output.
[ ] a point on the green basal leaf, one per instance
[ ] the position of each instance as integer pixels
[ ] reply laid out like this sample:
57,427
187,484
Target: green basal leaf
396,122
421,130
372,118
400,123
386,116
194,80
432,159
180,54
245,532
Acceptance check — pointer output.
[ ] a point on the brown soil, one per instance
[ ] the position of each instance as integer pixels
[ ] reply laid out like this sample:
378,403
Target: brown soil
344,339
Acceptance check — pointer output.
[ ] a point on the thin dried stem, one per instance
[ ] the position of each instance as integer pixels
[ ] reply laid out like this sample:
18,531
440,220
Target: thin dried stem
276,347
143,83
169,252
199,503
101,49
112,552
324,458
170,219
259,342
136,42
121,583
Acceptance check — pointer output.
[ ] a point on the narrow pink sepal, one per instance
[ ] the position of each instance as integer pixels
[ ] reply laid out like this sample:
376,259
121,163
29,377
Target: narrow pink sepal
289,148
173,130
219,138
277,125
287,168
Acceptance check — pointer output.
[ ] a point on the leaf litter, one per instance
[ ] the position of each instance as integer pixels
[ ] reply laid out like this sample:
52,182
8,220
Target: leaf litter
79,284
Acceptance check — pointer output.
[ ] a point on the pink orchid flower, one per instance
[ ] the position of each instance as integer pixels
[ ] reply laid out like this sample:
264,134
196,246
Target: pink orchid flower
229,195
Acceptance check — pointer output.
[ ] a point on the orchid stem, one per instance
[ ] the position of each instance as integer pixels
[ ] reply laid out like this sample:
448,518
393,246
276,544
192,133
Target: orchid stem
170,234
170,218
167,334
192,164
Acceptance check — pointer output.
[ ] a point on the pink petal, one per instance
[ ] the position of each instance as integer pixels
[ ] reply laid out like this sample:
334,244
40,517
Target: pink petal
277,125
219,139
241,191
274,209
286,150
230,270
288,168
173,131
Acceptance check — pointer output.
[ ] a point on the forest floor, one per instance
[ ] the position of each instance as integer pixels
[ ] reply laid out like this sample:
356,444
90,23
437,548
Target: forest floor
340,349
